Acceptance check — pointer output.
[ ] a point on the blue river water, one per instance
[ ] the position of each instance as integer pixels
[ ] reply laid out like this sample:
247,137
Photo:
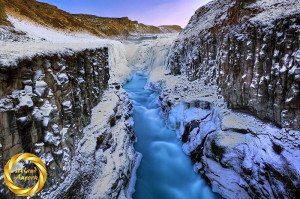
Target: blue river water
165,172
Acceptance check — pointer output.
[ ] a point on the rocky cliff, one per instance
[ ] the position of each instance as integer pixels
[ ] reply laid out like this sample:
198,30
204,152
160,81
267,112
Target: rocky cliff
243,55
45,103
250,49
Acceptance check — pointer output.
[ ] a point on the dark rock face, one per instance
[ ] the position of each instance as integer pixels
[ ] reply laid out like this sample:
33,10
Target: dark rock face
105,157
46,102
260,72
251,51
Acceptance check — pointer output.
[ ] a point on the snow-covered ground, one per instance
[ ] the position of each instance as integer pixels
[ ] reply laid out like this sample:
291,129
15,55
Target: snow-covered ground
125,56
33,39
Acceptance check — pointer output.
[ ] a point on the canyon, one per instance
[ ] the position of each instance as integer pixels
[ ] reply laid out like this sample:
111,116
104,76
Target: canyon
227,86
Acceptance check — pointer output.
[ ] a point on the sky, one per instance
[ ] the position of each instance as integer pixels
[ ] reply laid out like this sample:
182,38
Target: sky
150,12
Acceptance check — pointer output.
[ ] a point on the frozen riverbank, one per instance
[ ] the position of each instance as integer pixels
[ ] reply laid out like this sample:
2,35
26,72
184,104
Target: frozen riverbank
240,155
165,171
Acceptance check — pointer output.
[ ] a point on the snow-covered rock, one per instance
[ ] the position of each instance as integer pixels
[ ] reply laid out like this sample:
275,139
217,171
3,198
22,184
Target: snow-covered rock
240,155
248,49
50,85
31,115
243,54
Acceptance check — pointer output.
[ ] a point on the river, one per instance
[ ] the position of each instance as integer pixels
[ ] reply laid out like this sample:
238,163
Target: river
165,172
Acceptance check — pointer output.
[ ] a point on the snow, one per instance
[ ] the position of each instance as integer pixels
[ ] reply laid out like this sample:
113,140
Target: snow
110,162
47,158
40,88
179,89
39,33
192,113
132,182
25,101
125,57
246,140
37,114
238,133
274,9
63,78
50,138
217,13
43,40
47,109
67,104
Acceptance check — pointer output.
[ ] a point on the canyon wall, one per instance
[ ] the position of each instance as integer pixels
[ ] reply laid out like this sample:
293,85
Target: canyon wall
244,54
251,51
46,102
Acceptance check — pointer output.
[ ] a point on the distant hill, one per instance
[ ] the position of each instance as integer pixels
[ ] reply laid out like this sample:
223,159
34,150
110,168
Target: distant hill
170,28
115,26
51,16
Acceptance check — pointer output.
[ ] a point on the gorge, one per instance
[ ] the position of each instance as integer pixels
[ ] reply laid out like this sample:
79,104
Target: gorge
164,171
211,112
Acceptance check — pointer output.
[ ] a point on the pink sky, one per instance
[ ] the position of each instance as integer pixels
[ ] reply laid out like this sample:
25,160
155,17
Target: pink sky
151,12
178,12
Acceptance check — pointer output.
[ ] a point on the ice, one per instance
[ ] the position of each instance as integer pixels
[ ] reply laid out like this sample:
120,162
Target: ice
47,109
47,158
131,186
63,78
64,132
195,114
25,101
38,115
50,138
67,104
40,88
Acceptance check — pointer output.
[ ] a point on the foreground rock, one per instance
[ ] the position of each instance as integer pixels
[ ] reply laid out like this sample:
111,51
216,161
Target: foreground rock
241,54
105,157
238,154
46,102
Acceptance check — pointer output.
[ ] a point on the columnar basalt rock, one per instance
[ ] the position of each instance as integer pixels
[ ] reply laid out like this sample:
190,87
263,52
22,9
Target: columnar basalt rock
248,52
46,102
250,49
